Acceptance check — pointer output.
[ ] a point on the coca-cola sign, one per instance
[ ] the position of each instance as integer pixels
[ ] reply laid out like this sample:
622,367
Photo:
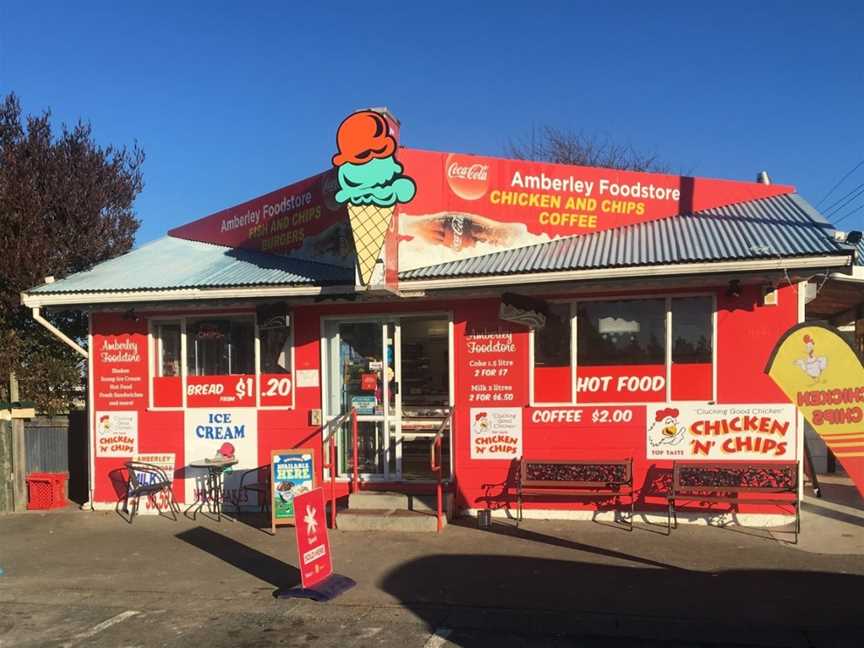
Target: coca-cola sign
467,178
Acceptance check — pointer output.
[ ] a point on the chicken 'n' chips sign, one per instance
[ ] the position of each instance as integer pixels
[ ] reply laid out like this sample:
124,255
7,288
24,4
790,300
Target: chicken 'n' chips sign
822,375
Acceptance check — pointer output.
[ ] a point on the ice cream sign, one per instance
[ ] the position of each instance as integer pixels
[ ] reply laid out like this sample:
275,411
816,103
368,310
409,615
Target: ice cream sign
371,183
721,432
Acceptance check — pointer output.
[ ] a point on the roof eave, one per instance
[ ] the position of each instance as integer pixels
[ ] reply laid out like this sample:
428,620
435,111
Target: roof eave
628,272
37,300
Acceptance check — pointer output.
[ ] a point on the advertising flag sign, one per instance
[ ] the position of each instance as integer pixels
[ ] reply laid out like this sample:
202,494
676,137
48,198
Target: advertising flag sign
313,545
822,375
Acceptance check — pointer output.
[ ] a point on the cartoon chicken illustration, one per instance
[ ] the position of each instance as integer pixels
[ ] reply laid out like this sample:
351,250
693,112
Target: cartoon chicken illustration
811,364
370,181
666,430
481,422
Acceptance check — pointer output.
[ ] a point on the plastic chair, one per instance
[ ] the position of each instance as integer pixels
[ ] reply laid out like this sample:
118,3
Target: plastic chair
150,480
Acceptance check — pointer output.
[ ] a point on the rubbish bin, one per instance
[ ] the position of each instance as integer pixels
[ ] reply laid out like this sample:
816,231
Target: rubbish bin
484,519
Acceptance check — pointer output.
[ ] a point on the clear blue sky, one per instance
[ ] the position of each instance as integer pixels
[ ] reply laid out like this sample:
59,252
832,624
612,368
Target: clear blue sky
231,102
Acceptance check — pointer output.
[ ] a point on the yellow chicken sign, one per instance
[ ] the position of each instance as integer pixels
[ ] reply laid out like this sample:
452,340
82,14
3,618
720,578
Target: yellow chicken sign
821,374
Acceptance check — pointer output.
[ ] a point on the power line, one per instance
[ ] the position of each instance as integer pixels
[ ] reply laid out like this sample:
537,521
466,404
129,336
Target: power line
848,214
845,200
841,181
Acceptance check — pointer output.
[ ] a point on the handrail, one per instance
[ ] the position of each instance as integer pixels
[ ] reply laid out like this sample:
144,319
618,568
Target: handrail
329,438
436,462
355,482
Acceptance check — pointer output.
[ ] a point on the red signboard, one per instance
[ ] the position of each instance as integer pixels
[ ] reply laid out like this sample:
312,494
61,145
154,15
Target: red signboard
469,205
220,391
313,545
301,220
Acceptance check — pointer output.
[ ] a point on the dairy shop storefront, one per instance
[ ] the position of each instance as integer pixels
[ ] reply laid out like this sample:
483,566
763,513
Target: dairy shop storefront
552,311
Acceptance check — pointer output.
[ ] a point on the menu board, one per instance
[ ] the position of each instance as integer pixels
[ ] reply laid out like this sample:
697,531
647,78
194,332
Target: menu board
292,472
495,355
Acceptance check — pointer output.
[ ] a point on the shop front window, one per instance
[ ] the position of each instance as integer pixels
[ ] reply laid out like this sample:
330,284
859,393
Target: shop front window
621,351
167,384
275,350
220,347
692,349
552,371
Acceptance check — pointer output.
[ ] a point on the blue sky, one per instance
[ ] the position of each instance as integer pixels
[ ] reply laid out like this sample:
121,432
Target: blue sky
230,102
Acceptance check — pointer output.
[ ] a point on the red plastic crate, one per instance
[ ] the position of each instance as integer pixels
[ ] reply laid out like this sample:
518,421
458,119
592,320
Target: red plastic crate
46,491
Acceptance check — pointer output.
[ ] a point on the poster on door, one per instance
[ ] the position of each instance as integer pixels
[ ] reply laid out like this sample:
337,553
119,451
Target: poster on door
496,432
207,430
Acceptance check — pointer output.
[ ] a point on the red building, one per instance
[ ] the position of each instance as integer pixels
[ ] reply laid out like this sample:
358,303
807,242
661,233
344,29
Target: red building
564,312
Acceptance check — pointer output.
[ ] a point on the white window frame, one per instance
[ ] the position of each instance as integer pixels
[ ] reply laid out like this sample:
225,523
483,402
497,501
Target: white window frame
574,324
154,350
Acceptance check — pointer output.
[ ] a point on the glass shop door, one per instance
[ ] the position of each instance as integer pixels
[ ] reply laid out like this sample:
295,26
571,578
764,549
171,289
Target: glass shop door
396,373
362,374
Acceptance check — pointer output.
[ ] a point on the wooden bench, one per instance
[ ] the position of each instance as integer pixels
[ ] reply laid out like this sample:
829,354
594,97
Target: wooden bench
735,483
588,478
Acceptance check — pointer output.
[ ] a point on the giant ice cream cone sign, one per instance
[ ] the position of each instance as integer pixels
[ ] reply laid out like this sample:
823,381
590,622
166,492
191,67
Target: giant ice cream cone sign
822,375
370,182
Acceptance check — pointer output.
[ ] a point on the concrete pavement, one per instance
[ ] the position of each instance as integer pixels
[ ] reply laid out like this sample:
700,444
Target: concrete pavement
81,578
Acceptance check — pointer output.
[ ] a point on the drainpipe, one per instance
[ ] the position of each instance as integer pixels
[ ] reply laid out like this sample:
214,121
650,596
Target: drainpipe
60,335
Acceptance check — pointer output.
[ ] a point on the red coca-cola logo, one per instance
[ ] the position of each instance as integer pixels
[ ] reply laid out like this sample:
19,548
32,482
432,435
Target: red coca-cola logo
467,178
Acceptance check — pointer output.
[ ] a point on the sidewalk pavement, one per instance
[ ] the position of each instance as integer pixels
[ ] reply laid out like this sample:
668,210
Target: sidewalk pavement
69,573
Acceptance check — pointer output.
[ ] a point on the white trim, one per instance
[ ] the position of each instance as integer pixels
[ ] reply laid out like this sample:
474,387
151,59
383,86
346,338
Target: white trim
629,272
801,294
715,518
60,335
176,294
194,294
667,325
91,413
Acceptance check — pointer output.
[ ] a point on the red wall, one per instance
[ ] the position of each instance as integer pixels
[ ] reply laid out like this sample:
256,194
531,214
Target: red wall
746,334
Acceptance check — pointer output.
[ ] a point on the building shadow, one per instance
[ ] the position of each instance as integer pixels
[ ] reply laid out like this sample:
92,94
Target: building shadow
536,596
266,568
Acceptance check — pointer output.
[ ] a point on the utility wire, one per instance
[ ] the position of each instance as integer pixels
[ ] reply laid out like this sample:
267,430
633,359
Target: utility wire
848,214
843,197
840,182
845,202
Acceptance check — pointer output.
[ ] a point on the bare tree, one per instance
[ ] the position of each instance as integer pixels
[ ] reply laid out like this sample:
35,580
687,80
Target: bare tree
563,146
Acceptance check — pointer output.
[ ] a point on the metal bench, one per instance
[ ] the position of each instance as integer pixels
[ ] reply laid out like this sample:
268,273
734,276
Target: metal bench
584,478
735,483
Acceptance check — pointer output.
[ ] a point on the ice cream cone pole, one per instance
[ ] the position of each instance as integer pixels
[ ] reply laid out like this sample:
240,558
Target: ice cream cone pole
369,225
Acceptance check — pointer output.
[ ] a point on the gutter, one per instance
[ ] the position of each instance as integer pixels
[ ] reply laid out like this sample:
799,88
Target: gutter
84,298
677,269
60,335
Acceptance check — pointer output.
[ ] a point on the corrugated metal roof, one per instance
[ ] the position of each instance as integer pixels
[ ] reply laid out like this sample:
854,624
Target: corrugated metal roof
781,226
169,263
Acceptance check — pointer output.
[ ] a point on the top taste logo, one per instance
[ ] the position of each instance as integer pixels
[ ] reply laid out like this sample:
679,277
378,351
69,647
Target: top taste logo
468,179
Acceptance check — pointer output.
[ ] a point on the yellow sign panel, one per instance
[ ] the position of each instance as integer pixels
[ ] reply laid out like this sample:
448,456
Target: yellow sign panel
821,374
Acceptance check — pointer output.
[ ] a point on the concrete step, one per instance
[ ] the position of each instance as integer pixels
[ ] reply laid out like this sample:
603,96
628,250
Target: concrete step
398,521
378,500
386,500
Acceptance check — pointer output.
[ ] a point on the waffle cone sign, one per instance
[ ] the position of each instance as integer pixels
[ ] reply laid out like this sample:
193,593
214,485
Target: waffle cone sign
822,375
371,182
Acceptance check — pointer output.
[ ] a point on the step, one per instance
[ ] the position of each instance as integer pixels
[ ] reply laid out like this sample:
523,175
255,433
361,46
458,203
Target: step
398,521
387,500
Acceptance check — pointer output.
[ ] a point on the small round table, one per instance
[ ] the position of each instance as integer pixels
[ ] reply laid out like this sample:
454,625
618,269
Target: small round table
213,490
